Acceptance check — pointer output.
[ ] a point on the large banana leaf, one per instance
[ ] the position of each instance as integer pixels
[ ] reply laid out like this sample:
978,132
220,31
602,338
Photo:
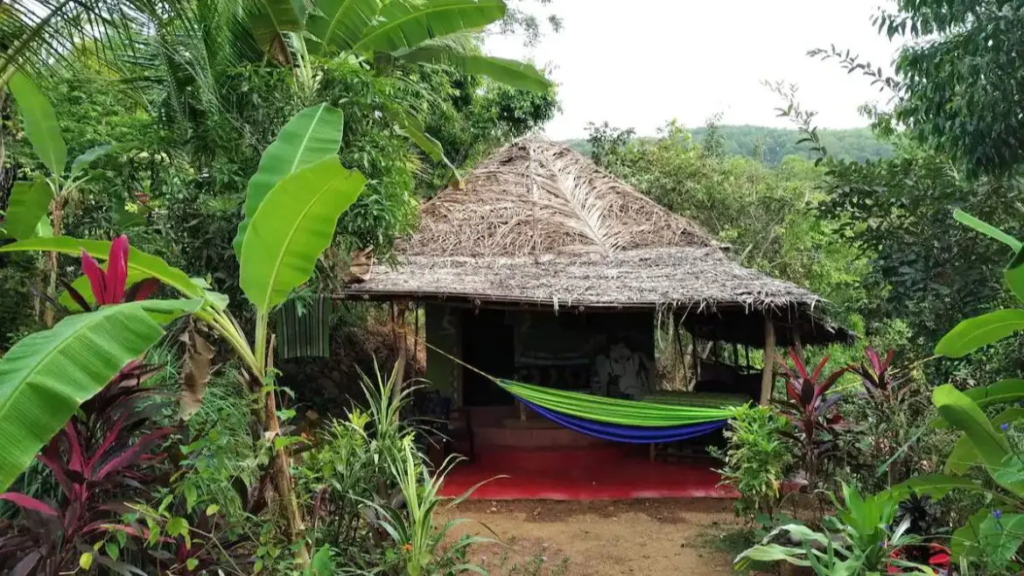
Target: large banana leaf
40,123
963,455
87,157
965,545
511,72
29,203
1014,273
986,229
145,264
1002,392
339,24
1002,538
964,415
46,376
292,227
404,24
310,136
270,20
980,331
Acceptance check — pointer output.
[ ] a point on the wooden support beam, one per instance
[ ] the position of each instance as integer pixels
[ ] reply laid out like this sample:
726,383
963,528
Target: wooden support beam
768,372
400,342
796,342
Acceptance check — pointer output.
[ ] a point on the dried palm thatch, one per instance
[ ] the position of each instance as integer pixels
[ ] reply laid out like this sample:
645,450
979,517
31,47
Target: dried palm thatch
538,223
537,198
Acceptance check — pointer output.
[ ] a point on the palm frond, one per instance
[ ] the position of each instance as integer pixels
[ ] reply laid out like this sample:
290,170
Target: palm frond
579,204
41,36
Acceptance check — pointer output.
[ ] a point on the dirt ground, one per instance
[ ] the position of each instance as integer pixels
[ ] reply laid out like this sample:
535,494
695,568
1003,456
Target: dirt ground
604,538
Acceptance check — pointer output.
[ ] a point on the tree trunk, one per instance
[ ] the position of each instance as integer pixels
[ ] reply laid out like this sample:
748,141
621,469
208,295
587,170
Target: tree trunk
57,215
768,372
281,474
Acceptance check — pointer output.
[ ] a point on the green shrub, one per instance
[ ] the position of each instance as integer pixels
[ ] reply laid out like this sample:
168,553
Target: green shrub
857,541
757,460
370,494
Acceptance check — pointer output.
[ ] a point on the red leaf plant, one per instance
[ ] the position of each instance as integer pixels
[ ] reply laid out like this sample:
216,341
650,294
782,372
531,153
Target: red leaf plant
109,286
108,454
812,411
877,376
105,456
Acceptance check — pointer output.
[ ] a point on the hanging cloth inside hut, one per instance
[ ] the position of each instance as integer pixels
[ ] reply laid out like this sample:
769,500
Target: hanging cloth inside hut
304,328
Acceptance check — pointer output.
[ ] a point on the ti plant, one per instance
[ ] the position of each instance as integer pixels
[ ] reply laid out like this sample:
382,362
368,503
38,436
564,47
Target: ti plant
293,202
112,443
876,376
811,409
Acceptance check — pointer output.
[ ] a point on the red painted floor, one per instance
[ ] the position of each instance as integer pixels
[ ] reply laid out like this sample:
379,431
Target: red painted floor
587,474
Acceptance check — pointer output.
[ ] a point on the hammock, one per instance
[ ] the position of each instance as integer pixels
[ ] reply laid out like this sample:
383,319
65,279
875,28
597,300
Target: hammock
638,422
662,418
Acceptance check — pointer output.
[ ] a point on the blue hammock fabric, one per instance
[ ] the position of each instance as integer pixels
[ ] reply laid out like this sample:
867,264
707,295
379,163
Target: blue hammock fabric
623,433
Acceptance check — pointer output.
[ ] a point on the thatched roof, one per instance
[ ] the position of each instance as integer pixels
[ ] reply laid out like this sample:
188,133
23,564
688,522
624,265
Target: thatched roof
538,223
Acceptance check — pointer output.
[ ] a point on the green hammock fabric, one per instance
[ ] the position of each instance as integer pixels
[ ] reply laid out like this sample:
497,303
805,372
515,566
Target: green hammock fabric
613,410
697,399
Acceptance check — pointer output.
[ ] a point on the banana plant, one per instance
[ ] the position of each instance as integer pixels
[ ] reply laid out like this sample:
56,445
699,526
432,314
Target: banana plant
415,31
292,206
27,213
429,32
37,207
984,439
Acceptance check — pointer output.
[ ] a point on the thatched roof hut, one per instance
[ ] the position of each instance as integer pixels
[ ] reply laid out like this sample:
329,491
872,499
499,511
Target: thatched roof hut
538,224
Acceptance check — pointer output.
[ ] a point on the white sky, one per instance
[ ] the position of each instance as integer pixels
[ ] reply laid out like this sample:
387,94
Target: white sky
641,63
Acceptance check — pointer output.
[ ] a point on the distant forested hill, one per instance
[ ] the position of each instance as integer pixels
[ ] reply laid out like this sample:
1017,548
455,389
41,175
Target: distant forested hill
774,144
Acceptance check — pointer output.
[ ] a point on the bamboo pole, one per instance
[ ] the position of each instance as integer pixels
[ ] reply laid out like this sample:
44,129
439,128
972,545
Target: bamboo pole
768,372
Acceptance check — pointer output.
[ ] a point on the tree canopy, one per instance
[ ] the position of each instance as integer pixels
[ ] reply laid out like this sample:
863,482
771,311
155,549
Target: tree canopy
773,145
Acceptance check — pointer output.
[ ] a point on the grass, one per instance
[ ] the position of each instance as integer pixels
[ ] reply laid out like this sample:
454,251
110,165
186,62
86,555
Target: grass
221,447
733,541
535,565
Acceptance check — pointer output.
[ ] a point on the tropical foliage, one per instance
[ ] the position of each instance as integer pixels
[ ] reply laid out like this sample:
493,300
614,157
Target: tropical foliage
253,151
212,86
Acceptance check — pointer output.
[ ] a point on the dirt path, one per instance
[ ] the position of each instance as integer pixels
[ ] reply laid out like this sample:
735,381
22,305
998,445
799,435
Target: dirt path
605,538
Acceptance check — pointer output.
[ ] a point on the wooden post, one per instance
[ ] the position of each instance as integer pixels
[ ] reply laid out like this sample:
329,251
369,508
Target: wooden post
768,372
796,343
400,342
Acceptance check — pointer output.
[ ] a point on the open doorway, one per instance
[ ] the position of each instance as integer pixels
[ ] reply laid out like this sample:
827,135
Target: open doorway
488,344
